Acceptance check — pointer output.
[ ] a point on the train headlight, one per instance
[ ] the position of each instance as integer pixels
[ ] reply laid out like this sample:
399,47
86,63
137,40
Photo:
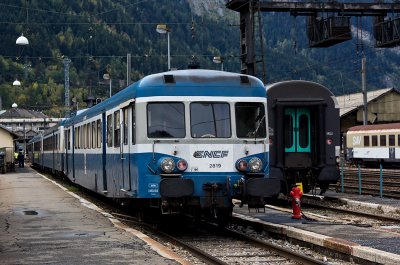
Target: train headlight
181,165
241,165
329,141
167,165
255,164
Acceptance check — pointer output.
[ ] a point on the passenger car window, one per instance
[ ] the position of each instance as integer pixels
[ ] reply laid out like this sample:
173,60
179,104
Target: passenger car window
166,120
382,140
209,120
366,140
250,120
374,140
392,140
109,131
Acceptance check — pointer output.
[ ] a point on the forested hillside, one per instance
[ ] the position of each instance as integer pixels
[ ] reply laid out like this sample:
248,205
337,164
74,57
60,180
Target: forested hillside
98,34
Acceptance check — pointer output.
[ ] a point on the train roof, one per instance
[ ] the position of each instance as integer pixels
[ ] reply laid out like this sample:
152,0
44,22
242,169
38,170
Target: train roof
300,90
298,87
191,82
375,127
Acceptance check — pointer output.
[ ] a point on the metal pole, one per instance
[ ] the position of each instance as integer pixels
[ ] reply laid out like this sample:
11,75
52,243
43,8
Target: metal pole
128,69
359,179
342,173
380,181
110,87
364,90
169,55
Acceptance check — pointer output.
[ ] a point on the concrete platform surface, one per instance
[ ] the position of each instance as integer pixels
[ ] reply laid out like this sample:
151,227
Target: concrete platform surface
42,224
375,245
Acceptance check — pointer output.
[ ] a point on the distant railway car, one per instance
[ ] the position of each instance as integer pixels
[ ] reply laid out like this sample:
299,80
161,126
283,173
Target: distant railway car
304,127
373,144
177,142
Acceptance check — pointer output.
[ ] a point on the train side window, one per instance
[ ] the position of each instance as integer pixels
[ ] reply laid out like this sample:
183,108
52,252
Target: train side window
88,131
79,138
98,132
69,139
76,138
133,125
392,140
288,131
84,132
109,131
117,129
366,140
125,125
382,140
94,137
374,140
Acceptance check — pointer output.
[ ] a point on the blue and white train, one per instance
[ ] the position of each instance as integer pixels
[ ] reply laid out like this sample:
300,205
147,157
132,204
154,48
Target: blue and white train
185,141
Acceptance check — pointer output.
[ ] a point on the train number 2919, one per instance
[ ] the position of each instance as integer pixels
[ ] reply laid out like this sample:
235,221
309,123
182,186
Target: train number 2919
214,165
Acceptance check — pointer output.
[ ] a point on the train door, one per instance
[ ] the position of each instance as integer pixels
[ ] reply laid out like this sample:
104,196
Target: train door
66,149
125,148
103,149
297,131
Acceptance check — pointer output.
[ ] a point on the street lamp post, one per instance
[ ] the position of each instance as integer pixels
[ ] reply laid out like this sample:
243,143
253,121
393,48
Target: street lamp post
108,77
219,60
163,29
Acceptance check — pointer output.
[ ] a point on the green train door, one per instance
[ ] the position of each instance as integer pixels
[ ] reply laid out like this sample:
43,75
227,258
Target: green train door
297,130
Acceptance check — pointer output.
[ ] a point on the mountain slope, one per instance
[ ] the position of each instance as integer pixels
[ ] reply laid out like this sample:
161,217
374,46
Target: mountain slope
98,34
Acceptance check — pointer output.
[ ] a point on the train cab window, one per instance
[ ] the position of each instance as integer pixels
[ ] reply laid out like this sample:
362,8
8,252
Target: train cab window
250,120
109,131
366,140
288,130
374,140
210,119
392,140
166,120
382,140
117,129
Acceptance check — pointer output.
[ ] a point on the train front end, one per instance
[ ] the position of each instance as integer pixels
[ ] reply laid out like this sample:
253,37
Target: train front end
207,143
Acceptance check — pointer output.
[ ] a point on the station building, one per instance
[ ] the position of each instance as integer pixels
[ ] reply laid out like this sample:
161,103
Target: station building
383,107
25,124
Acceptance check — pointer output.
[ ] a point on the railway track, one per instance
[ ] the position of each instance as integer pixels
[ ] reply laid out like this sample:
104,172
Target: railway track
318,202
214,245
370,181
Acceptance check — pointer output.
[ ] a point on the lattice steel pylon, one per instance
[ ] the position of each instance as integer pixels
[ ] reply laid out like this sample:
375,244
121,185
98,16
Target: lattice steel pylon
66,62
251,33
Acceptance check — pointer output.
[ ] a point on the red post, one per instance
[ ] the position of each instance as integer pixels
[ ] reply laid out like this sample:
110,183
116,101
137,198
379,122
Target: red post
296,196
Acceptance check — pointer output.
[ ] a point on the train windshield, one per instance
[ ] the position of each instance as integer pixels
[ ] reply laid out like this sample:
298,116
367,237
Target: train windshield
250,120
166,120
210,120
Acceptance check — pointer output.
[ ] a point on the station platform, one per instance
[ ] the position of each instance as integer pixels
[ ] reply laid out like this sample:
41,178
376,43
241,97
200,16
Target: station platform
377,245
43,223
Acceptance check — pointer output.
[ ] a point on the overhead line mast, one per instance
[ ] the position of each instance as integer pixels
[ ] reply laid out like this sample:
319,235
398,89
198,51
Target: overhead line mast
321,32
